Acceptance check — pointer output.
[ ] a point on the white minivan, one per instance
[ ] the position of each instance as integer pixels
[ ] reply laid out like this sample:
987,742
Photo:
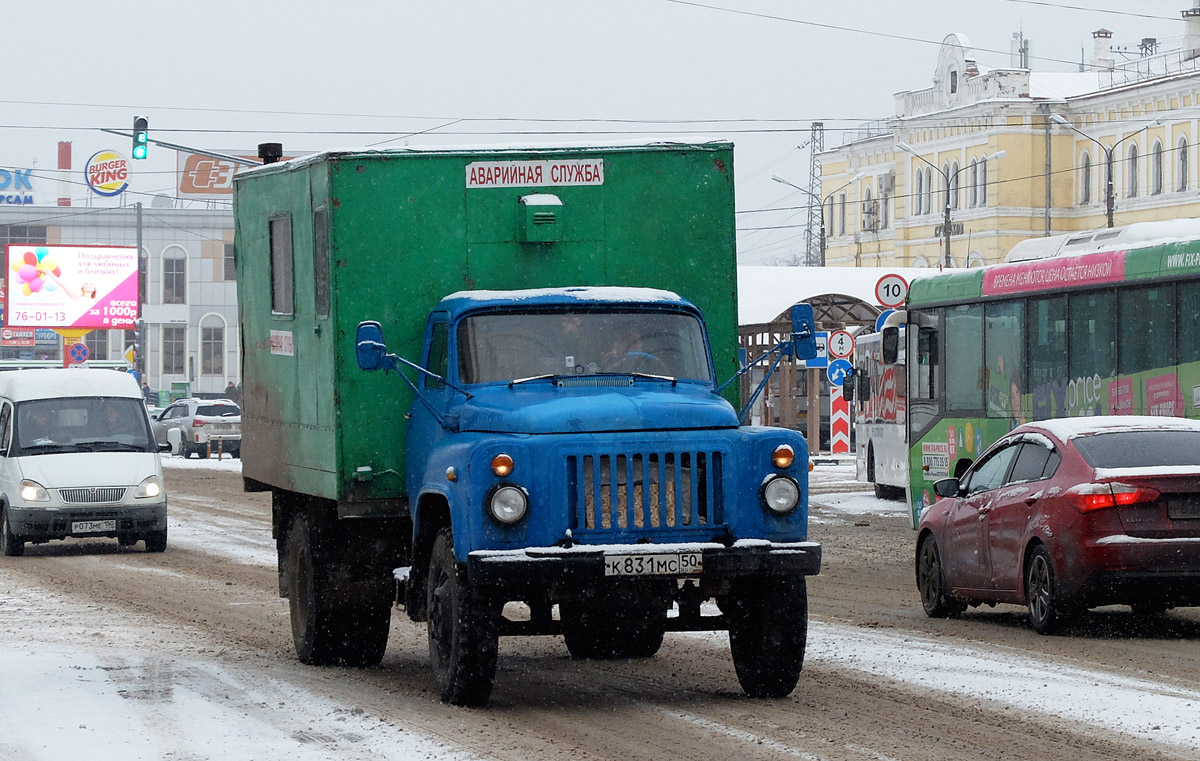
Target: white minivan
77,458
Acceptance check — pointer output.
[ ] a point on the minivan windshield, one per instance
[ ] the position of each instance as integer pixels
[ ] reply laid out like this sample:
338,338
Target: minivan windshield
81,424
505,346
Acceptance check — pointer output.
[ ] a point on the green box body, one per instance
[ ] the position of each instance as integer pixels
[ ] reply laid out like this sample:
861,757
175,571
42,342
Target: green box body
401,230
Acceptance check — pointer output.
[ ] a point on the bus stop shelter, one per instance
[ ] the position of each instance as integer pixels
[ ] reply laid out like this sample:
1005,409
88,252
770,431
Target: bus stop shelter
842,298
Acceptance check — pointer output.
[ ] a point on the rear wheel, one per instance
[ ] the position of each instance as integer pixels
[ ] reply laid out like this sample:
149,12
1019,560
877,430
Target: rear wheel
768,631
1047,612
931,582
463,630
14,546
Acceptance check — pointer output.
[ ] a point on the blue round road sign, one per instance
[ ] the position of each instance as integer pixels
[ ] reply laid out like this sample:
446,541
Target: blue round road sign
78,353
838,370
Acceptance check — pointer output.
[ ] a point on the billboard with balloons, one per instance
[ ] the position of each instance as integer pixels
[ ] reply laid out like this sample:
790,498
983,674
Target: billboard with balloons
84,287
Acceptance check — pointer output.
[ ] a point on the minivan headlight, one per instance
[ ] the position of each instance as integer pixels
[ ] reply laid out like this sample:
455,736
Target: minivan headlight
149,488
32,491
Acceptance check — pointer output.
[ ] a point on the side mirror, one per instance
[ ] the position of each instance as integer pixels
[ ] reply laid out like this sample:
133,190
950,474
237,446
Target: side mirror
863,381
946,487
804,331
369,346
174,440
891,344
848,386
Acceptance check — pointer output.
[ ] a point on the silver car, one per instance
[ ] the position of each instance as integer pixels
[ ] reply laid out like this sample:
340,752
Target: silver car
205,426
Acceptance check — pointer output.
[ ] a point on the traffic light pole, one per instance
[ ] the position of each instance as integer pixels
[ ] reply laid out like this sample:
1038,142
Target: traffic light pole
187,149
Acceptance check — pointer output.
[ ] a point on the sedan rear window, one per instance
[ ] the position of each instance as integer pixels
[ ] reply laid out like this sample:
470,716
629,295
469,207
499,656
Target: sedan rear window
218,410
1140,449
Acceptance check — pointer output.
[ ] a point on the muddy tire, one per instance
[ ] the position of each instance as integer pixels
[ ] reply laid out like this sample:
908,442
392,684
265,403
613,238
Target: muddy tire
14,546
462,627
1047,610
156,541
768,631
931,583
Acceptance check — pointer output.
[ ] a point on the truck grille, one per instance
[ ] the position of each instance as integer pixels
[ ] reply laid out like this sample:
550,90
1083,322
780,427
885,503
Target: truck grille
91,495
645,490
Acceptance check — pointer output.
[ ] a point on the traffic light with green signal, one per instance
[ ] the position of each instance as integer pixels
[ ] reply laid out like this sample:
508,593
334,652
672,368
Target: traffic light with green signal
141,138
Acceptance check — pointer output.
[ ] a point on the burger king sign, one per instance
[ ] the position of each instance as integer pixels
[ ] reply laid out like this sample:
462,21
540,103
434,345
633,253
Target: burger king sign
107,173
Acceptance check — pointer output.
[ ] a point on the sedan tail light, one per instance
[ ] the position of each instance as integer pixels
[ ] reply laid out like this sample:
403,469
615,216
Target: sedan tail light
1089,497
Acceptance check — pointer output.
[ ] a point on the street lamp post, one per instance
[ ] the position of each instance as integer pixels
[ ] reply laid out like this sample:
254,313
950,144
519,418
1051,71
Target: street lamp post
807,192
1110,193
948,178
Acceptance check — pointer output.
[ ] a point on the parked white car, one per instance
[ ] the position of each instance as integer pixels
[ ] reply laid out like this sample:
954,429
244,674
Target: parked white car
205,426
78,458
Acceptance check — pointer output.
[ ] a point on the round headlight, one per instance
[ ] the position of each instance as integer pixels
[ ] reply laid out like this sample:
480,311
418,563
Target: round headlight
781,495
783,456
508,504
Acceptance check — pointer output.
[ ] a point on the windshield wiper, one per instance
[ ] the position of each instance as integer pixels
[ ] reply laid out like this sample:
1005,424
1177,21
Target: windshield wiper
655,377
110,446
516,381
52,448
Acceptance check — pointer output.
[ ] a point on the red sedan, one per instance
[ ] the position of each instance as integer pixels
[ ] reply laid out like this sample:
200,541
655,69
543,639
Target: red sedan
1064,515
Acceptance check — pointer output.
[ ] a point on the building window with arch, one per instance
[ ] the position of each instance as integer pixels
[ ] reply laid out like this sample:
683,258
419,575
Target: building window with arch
1182,163
174,349
842,214
212,346
1131,168
1085,178
946,185
927,200
174,285
973,184
868,210
983,183
1156,169
918,193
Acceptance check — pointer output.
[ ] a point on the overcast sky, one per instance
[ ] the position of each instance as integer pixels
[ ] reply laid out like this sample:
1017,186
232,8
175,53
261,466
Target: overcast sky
227,75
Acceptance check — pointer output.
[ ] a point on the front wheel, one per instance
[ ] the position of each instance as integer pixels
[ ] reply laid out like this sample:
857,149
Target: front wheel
14,546
1047,612
463,630
156,541
768,631
931,583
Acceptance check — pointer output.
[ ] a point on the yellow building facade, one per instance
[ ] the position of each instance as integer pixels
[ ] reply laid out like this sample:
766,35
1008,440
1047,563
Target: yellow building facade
1024,154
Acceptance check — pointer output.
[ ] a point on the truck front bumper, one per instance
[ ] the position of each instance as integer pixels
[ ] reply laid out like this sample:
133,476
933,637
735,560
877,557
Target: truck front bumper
590,564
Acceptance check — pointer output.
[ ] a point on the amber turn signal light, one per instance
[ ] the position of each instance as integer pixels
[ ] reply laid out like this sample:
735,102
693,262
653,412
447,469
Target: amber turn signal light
502,465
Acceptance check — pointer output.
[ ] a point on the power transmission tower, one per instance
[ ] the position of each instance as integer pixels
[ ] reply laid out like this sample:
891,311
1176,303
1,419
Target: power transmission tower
812,233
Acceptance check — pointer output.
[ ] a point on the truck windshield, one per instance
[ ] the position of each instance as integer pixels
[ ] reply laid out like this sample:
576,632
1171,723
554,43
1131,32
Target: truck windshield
504,346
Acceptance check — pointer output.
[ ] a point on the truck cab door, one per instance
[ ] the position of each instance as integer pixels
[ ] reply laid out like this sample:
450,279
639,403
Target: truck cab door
424,428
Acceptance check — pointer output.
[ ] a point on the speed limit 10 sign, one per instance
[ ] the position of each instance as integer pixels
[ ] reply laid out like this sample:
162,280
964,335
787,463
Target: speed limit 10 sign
891,290
841,344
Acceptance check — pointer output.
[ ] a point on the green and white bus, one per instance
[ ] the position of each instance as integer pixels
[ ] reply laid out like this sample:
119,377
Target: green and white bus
1098,323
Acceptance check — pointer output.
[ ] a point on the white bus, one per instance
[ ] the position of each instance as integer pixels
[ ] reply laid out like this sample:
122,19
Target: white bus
880,407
